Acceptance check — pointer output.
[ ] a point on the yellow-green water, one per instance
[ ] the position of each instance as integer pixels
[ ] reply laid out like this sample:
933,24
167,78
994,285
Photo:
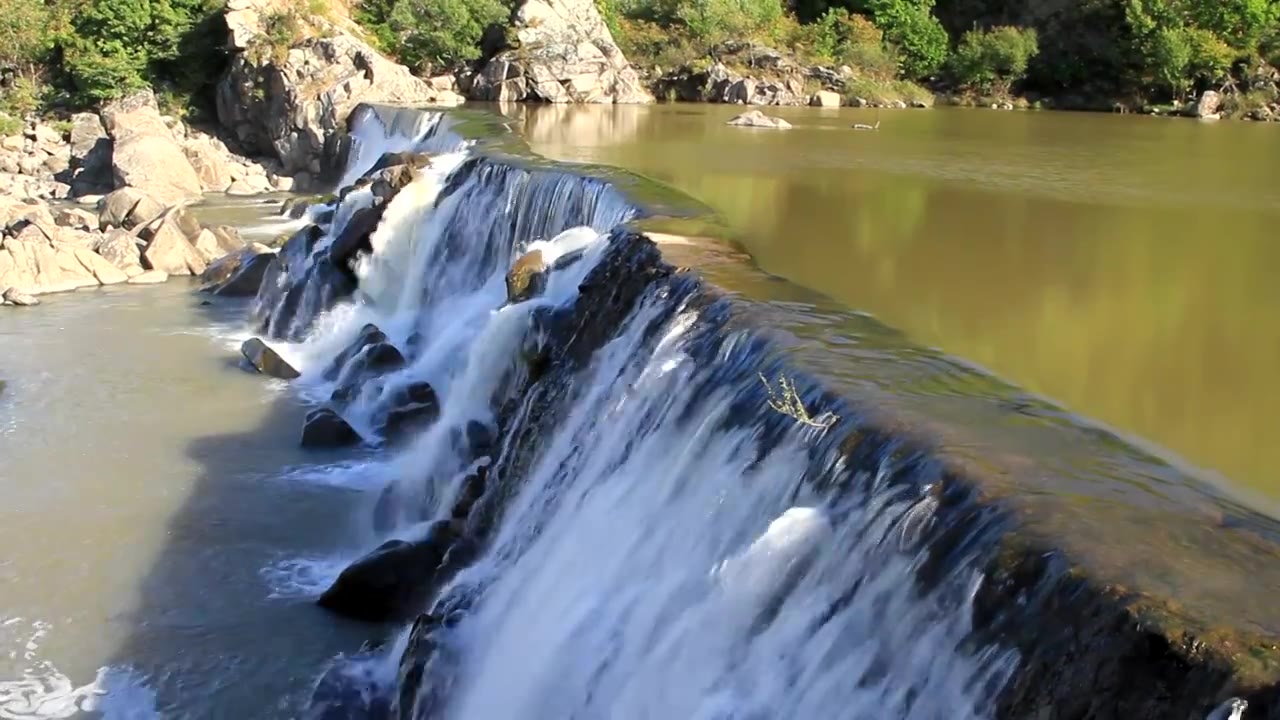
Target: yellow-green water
1125,267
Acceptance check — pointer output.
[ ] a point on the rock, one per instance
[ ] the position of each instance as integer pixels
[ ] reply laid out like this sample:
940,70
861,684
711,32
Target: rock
281,183
566,55
101,269
250,185
88,136
13,296
120,248
325,428
287,109
825,98
32,264
411,409
369,335
144,153
228,238
13,143
170,250
267,361
210,164
77,218
57,163
149,277
527,277
393,582
354,237
1208,105
127,208
374,360
755,118
481,439
46,137
206,243
238,274
16,215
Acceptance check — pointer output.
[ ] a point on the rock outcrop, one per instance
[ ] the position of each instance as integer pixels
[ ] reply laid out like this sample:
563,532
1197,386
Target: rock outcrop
286,107
565,54
144,154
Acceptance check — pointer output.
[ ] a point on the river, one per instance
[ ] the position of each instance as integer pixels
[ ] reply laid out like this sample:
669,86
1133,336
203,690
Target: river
1122,266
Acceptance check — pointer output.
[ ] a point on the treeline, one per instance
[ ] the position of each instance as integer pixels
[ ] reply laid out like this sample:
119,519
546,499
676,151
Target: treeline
1116,50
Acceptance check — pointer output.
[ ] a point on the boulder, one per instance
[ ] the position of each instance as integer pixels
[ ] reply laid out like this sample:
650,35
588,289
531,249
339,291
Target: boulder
238,274
1208,105
169,250
209,160
89,141
825,98
144,153
369,335
32,264
287,109
46,137
127,208
75,218
16,215
374,360
325,428
14,296
394,581
354,237
250,185
120,248
267,361
101,269
411,409
149,277
228,238
527,277
757,119
206,243
78,238
566,55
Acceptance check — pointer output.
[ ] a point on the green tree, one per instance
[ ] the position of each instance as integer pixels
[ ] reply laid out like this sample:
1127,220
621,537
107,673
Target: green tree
714,20
911,26
849,39
1242,23
992,60
432,34
1170,58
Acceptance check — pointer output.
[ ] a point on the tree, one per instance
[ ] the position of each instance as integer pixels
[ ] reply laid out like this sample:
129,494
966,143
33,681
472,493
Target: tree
714,20
1170,58
911,26
433,34
994,59
1242,23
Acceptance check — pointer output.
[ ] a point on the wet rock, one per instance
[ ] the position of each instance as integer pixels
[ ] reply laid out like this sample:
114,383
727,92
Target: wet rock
393,582
351,689
425,675
325,428
416,160
481,439
369,335
374,360
527,278
411,409
238,274
354,238
13,296
473,487
755,118
267,361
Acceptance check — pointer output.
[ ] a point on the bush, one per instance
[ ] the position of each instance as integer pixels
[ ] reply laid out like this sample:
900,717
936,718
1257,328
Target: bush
911,26
1211,57
1170,56
9,125
992,60
433,34
716,20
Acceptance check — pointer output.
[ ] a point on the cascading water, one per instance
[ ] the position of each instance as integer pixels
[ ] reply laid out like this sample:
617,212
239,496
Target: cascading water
655,535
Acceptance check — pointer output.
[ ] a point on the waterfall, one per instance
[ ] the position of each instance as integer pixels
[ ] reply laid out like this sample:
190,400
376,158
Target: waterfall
655,535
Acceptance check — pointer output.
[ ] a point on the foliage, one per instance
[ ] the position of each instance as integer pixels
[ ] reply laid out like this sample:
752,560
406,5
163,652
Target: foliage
9,125
910,25
992,60
842,38
431,34
715,20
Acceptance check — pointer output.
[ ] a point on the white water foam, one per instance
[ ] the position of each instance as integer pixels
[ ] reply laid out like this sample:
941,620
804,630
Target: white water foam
43,692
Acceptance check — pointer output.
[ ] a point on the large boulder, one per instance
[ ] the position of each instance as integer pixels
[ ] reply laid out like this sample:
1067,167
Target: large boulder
101,269
127,208
16,214
14,296
208,158
527,277
410,410
394,581
267,361
369,335
355,236
120,248
566,55
90,156
1208,105
325,428
286,106
238,274
757,119
144,153
373,361
170,250
33,264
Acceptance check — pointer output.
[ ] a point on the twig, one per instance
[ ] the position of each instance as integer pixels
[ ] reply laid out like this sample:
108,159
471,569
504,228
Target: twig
788,402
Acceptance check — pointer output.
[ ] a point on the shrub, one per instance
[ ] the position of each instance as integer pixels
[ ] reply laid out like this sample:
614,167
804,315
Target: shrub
9,125
858,43
992,60
1170,56
911,26
431,34
715,20
1211,58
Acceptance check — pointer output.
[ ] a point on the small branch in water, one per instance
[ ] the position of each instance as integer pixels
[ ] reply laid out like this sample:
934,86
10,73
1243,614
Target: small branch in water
788,402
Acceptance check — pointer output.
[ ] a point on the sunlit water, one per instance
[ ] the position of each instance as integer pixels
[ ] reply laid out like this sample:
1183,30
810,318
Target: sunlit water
1121,266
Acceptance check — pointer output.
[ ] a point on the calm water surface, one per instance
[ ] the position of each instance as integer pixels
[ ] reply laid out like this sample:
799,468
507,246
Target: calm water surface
1124,267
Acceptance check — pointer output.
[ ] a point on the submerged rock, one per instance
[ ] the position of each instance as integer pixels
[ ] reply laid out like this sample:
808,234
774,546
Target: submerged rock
149,277
527,277
374,360
325,428
369,335
267,361
755,118
410,410
393,582
351,689
13,296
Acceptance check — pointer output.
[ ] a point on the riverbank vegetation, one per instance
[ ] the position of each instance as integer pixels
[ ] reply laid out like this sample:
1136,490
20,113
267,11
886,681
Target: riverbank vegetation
1087,54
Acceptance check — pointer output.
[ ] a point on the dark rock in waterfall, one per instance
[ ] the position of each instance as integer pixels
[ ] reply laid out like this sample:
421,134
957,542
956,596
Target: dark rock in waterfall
473,485
370,334
527,277
325,428
354,238
239,274
392,159
297,207
372,361
393,582
267,361
411,408
351,690
426,672
480,439
290,301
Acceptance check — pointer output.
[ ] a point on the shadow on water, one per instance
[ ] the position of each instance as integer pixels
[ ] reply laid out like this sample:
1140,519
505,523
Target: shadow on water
224,625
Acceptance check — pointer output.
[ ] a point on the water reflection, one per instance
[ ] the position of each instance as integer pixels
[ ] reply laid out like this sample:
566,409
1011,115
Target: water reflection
1122,266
